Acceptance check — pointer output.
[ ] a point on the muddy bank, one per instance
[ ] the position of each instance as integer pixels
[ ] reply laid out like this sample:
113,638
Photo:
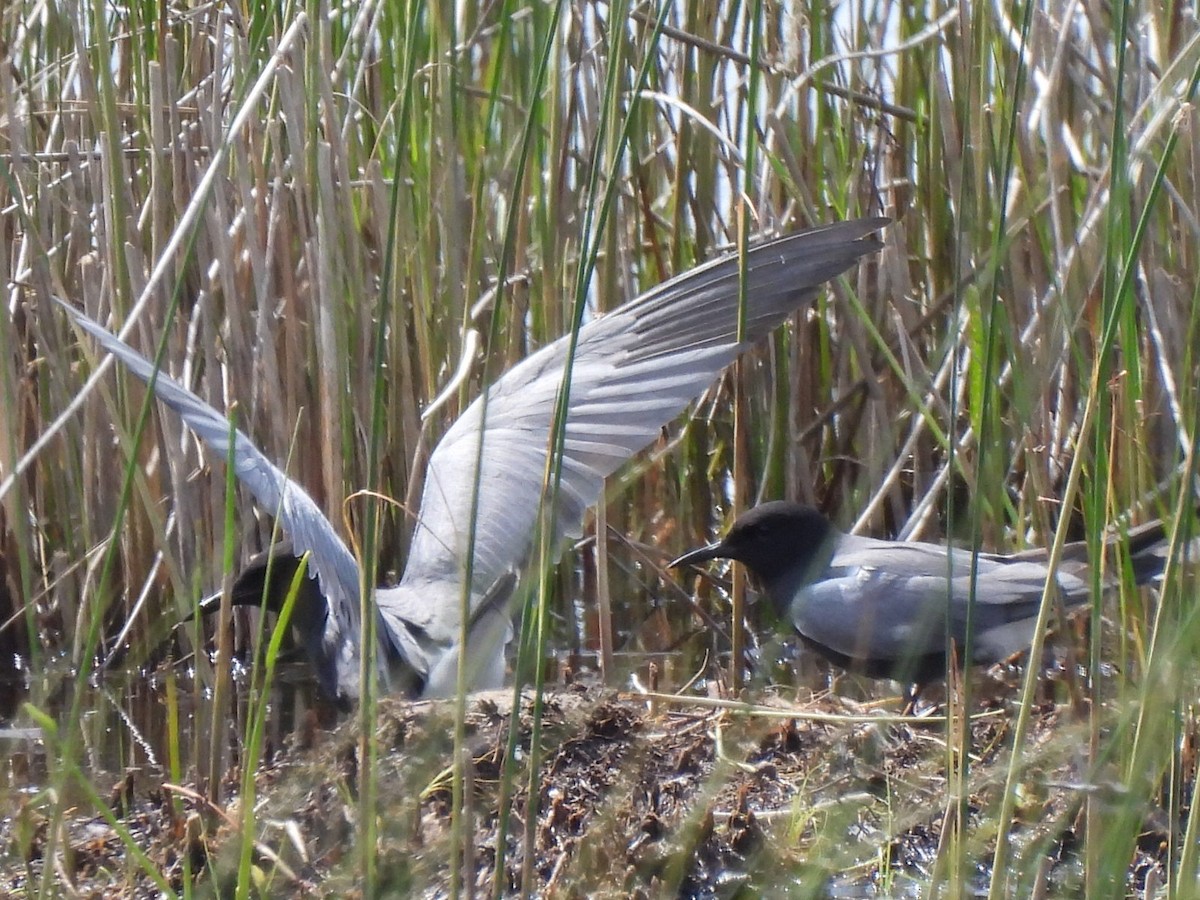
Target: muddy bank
678,800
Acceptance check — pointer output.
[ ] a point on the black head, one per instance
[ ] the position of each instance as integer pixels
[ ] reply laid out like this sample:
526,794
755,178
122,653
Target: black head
771,540
266,582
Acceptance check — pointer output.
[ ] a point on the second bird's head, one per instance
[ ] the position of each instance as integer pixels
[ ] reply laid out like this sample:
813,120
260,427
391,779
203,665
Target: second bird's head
776,541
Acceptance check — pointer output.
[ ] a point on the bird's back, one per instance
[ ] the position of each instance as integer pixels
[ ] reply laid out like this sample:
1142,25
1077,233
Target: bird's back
889,604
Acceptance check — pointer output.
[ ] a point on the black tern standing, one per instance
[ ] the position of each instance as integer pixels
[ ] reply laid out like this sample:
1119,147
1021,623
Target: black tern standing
635,369
883,608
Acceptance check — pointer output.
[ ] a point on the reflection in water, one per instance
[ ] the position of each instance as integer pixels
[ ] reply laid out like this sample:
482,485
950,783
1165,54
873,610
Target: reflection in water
153,724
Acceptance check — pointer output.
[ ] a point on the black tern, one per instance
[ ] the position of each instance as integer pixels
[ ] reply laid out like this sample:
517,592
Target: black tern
634,370
883,608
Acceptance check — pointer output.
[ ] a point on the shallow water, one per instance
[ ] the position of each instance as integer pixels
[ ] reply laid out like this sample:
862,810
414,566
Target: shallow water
152,723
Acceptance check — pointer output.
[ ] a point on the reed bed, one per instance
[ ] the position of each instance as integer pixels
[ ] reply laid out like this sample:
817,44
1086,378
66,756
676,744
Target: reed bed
320,218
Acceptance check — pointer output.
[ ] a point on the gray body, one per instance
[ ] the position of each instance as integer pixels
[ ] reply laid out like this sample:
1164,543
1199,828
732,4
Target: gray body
885,608
634,370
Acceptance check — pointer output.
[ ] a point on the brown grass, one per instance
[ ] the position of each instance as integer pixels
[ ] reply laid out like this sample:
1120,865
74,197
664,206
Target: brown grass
253,194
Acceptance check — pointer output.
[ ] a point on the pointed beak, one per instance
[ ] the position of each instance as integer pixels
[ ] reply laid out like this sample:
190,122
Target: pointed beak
715,550
207,606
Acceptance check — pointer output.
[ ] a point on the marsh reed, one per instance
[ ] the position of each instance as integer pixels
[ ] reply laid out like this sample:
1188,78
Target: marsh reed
306,212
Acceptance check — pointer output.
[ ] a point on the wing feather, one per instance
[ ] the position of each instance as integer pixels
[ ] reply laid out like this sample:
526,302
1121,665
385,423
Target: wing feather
331,563
635,369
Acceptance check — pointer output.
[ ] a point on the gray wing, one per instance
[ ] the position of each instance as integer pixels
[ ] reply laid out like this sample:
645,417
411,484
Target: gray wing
894,600
635,370
331,562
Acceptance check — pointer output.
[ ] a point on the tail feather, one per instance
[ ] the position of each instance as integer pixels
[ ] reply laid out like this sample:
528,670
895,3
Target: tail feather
1148,546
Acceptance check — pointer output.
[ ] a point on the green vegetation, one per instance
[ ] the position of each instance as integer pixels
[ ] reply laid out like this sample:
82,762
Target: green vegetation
299,210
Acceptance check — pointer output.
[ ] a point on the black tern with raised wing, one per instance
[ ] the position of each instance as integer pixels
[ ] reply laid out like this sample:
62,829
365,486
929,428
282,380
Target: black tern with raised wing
884,608
634,370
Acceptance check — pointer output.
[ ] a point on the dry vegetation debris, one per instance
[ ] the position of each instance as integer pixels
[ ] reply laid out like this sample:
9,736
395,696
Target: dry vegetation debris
680,800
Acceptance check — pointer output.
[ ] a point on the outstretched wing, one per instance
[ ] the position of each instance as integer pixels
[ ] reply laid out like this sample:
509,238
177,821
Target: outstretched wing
635,369
331,562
